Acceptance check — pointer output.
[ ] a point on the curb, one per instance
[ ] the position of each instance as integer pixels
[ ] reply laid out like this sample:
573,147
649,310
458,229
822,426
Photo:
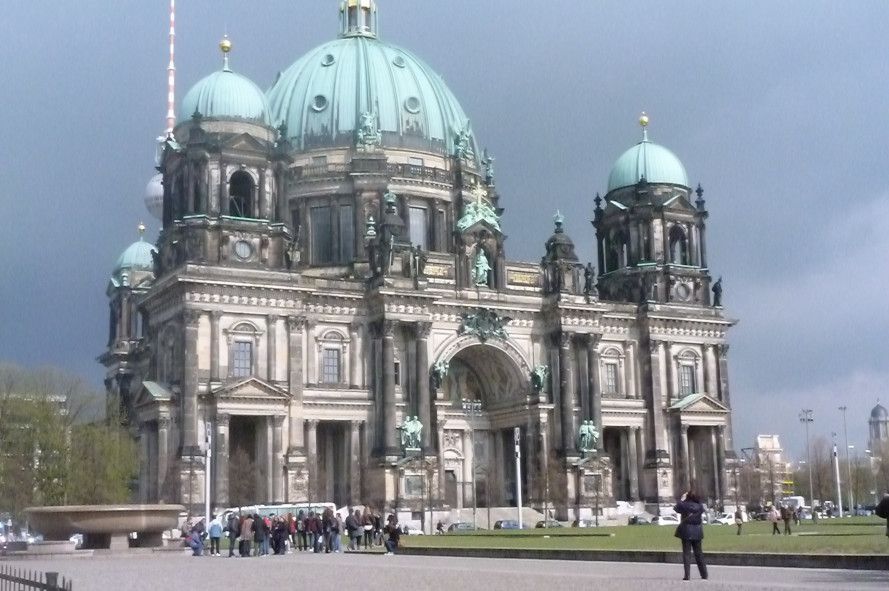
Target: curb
825,561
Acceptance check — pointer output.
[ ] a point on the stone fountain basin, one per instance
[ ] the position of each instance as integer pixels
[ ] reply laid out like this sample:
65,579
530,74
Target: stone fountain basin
60,523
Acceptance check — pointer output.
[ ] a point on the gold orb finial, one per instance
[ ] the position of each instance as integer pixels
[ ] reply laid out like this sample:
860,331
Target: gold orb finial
643,119
141,228
225,45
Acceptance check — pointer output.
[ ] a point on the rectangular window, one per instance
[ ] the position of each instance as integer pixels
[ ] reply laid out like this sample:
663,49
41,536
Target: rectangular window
321,236
419,227
347,234
397,373
686,380
415,162
242,359
610,378
319,161
330,366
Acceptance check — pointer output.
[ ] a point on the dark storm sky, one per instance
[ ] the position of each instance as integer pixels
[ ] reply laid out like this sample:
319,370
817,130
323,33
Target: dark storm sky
779,109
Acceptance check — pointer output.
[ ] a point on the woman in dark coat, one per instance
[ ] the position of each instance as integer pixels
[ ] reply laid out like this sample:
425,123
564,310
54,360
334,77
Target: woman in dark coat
691,532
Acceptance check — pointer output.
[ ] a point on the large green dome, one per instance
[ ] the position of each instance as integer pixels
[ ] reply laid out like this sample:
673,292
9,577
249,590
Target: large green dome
652,161
227,95
322,96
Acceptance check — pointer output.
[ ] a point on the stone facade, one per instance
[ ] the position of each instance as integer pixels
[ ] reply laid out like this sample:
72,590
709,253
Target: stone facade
293,316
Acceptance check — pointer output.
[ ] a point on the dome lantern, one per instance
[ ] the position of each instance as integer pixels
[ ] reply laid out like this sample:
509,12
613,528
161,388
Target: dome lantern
649,161
358,18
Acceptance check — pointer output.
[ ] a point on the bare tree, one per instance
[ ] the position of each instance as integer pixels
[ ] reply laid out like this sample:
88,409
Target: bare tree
242,478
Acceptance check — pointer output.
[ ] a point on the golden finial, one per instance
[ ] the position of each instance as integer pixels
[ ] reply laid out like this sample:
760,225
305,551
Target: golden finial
141,228
225,45
643,119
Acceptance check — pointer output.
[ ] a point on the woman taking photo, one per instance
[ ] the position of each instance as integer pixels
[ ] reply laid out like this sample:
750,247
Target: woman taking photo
691,532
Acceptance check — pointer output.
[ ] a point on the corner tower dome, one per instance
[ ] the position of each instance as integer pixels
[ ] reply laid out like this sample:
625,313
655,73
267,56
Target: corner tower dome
226,95
655,163
323,97
137,257
879,413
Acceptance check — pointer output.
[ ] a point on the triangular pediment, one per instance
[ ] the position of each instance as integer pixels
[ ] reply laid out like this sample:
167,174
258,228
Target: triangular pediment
481,225
244,142
698,403
151,393
250,389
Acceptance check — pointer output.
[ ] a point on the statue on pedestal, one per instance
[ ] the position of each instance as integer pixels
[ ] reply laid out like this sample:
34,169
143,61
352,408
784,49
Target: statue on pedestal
411,434
587,437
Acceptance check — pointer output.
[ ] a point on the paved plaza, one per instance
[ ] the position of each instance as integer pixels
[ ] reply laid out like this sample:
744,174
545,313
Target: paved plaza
340,571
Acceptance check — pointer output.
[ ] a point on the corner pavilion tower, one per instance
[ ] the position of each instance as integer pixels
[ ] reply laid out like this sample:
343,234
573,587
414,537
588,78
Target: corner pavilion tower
332,262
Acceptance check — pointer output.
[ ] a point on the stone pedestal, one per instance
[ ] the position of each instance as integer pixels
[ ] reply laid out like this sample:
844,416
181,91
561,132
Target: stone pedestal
297,479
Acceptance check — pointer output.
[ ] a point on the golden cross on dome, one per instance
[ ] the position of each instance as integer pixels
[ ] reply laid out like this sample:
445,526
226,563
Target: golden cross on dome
479,192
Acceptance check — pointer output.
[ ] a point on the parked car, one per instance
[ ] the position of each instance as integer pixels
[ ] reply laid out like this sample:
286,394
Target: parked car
459,526
548,523
411,530
584,523
641,519
506,524
665,520
724,519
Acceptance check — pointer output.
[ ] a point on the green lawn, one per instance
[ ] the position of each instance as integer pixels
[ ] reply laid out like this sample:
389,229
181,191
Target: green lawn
847,536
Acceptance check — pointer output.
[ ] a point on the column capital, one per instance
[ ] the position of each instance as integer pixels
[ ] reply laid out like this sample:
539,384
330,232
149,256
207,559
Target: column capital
278,420
164,422
223,420
388,328
564,339
273,318
296,323
355,326
215,315
684,429
722,350
312,423
424,329
191,318
356,424
593,339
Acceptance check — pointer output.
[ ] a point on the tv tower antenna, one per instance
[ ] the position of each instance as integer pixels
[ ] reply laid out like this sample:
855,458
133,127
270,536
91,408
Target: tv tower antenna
171,73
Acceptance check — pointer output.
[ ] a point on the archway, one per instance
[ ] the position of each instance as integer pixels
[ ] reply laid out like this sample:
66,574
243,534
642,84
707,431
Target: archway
491,375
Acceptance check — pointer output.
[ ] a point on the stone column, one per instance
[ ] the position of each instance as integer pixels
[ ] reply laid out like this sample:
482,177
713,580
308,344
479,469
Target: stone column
312,453
632,457
720,463
710,376
191,321
355,463
424,397
163,457
295,326
640,458
272,348
631,371
355,355
624,463
717,477
390,439
595,389
656,349
311,353
215,315
723,387
278,458
468,475
222,452
566,385
686,462
144,463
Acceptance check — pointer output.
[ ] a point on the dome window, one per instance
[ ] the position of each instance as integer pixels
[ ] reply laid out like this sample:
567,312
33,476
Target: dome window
412,104
319,103
328,60
399,62
241,192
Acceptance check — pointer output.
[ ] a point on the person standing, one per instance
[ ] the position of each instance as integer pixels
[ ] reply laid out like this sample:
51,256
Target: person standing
786,516
739,519
246,536
774,516
691,531
394,535
302,542
882,510
368,522
215,535
234,530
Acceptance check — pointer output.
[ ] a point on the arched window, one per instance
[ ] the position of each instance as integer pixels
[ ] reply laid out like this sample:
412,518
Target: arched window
240,195
611,364
687,373
243,340
611,250
678,246
332,349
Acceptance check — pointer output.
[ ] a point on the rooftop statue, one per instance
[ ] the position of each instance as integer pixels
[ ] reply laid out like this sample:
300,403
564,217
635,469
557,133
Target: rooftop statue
463,143
717,293
439,373
485,324
369,137
488,164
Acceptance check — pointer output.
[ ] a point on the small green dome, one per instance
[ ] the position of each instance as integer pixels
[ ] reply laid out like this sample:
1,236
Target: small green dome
137,257
321,97
227,95
652,161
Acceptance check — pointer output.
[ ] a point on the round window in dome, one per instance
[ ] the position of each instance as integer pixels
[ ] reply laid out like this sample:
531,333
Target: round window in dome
398,61
412,104
328,60
319,103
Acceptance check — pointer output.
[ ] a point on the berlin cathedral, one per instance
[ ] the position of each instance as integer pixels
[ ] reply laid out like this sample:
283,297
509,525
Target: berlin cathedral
331,275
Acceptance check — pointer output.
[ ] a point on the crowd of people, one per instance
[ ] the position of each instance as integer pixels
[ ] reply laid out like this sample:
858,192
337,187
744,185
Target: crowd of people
263,535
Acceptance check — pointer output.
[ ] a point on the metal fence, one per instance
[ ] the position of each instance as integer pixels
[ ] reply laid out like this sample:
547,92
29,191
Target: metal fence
24,580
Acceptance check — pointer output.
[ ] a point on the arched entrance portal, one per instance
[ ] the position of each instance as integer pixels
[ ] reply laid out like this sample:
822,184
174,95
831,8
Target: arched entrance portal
492,376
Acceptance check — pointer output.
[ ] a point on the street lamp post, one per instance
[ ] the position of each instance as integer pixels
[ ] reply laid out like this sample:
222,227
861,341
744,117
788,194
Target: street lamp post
805,417
848,465
473,408
873,471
